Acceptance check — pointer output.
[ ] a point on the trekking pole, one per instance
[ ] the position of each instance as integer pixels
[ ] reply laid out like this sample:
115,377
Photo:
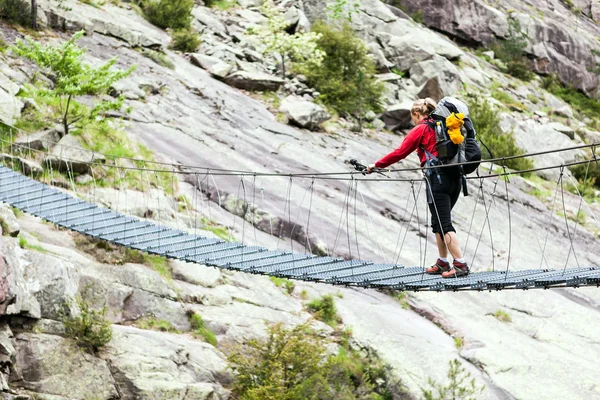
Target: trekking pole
363,168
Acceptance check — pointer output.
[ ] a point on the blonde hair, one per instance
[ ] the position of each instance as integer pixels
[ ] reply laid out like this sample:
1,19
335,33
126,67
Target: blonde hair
423,106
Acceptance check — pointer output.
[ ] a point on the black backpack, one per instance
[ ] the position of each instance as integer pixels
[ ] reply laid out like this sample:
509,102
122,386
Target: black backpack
448,152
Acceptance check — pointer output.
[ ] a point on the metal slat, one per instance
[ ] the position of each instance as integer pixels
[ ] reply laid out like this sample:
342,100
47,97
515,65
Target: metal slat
387,278
187,249
253,266
279,268
208,256
43,199
335,276
229,261
316,272
121,234
38,209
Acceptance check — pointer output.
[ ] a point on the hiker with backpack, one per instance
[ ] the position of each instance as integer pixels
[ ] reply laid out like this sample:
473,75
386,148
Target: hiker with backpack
443,134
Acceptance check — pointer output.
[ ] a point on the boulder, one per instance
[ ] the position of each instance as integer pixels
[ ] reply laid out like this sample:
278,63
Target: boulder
564,111
41,283
10,108
415,46
208,21
305,114
8,221
249,3
153,203
562,128
213,65
297,20
196,274
10,104
381,63
70,156
389,77
28,167
437,78
51,364
398,116
41,141
254,81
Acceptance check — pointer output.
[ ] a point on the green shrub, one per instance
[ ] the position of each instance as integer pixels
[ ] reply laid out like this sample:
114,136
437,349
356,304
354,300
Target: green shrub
186,40
502,316
346,77
588,177
587,106
487,124
90,329
159,58
324,309
151,323
506,99
459,386
18,11
174,14
284,283
220,4
290,364
200,330
512,52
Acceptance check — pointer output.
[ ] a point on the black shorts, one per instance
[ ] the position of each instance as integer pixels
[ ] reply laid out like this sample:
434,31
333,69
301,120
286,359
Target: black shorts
442,197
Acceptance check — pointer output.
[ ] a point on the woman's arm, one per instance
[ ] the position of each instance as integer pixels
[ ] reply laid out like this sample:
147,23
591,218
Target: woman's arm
409,144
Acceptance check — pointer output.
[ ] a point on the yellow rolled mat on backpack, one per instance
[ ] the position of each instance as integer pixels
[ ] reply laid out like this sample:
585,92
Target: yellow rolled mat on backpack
453,123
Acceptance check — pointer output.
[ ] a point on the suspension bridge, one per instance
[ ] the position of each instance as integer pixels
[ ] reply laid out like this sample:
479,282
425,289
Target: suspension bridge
65,210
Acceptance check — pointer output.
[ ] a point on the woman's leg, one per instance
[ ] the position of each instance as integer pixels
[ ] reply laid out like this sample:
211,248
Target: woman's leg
451,244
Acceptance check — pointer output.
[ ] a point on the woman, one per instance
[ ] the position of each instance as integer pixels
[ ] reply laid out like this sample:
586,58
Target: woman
442,193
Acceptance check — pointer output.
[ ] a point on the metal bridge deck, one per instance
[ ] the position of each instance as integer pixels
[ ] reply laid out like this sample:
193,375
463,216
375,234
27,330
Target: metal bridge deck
64,210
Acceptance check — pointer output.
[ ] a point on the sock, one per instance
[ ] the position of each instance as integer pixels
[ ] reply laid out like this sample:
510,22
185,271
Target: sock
460,260
444,259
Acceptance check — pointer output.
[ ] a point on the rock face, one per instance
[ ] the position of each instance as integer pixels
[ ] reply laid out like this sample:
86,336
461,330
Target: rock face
305,114
70,156
110,20
469,20
160,365
555,46
51,364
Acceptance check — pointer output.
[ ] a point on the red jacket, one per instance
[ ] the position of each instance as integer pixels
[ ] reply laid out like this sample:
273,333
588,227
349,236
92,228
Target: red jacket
420,135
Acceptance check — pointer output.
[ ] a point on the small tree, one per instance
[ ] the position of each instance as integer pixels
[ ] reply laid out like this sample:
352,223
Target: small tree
460,386
487,124
346,78
72,78
274,40
90,329
512,51
342,9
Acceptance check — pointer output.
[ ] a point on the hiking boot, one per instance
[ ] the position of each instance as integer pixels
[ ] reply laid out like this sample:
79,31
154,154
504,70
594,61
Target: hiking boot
438,268
458,269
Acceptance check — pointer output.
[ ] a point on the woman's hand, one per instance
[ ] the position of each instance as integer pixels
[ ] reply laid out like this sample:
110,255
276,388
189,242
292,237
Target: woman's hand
370,169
